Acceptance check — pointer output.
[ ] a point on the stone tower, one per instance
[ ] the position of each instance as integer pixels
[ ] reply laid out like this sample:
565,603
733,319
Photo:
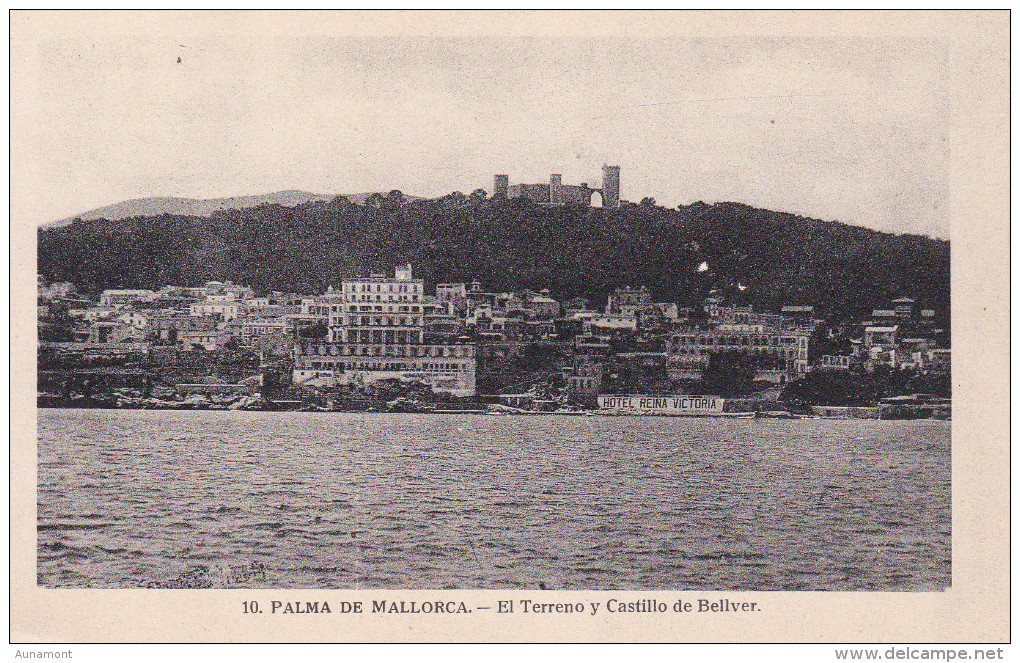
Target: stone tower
556,189
500,185
610,186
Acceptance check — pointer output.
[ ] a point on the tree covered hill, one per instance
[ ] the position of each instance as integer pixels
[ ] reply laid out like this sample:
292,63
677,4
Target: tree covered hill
762,257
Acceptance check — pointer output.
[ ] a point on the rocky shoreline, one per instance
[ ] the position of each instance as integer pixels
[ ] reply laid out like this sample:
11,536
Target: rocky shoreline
258,403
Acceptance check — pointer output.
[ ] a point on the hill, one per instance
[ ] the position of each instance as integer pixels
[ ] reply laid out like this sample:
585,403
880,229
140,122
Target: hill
762,257
201,207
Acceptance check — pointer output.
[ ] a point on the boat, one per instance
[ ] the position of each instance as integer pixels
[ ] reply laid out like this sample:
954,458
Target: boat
777,414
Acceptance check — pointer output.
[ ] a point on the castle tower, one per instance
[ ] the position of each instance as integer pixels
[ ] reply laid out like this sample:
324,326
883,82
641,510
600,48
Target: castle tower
610,186
500,185
556,189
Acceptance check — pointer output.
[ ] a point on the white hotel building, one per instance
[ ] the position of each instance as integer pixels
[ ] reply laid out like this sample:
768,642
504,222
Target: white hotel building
688,351
376,332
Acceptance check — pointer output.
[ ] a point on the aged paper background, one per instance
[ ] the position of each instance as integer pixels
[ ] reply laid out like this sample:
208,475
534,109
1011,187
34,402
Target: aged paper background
975,609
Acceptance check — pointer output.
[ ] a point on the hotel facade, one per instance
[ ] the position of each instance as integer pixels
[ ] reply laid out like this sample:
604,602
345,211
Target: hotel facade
377,332
781,354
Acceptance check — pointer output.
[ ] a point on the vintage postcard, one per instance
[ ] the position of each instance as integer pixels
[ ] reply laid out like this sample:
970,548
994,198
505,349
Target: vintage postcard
509,326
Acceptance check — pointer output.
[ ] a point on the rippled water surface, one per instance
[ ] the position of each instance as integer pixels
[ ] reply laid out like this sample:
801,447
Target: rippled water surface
131,498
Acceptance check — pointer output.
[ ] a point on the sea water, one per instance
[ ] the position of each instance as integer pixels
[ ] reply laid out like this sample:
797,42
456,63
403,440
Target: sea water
135,498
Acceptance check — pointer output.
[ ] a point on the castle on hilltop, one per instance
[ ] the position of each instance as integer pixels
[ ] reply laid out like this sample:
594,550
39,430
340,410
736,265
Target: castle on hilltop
557,193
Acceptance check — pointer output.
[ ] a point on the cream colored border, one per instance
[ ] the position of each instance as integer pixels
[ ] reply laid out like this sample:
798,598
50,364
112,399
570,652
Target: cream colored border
976,608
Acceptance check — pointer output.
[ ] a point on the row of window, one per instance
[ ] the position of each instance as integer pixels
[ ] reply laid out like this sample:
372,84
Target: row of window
340,367
215,308
383,298
750,319
263,331
378,308
735,340
336,350
379,336
779,352
383,287
381,321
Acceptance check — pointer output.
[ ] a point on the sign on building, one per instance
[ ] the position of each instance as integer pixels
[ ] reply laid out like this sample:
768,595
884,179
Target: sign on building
667,405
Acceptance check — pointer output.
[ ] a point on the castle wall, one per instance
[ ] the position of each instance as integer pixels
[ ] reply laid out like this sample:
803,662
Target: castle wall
539,193
557,193
580,195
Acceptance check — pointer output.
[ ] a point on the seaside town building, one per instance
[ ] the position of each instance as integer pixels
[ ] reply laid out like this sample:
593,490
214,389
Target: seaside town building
377,332
468,340
781,353
120,298
584,380
627,300
226,308
59,290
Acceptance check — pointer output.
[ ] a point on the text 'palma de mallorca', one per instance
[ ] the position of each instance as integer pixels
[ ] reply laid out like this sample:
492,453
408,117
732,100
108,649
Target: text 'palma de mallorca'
557,193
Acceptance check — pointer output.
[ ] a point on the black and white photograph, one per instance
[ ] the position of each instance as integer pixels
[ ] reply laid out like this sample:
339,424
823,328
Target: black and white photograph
600,312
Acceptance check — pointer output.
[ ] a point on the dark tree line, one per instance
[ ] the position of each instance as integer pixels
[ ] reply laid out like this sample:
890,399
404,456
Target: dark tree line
759,257
860,388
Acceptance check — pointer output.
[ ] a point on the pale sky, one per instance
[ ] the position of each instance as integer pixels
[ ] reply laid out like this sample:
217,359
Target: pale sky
837,128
